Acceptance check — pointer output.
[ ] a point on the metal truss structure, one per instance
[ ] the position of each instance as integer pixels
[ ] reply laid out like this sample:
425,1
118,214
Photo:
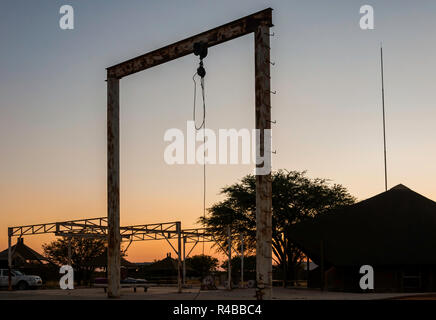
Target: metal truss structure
96,225
98,228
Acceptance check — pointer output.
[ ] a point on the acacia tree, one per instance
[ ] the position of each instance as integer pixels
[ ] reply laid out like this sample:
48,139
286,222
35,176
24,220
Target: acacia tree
295,197
83,252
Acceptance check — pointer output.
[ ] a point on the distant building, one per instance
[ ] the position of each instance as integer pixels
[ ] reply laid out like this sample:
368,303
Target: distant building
29,261
163,271
394,232
22,256
165,267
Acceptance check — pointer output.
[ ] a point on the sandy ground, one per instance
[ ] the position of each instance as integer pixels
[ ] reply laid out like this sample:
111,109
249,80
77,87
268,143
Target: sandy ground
170,293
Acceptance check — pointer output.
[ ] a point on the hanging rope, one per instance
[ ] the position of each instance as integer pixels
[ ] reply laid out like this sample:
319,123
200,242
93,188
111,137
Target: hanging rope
203,123
202,126
200,49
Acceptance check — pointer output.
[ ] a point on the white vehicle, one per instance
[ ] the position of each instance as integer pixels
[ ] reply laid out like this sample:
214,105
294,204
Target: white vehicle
19,280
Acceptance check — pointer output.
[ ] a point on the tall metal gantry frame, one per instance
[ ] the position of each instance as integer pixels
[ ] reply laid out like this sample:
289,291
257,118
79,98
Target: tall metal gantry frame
258,23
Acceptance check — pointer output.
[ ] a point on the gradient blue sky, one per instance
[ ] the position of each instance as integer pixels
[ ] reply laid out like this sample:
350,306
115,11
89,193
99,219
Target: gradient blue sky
328,106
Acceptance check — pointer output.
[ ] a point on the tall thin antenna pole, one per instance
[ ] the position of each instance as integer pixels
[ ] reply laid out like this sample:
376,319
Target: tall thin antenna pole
384,118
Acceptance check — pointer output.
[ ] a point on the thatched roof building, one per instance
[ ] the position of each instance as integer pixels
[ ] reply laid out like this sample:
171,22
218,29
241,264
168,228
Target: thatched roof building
394,232
22,256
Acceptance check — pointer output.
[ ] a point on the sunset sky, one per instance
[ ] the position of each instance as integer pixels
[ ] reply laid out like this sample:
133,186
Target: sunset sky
327,107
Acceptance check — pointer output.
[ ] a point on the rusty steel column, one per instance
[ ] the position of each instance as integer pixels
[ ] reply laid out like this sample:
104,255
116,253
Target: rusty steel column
179,257
113,186
263,180
184,260
9,259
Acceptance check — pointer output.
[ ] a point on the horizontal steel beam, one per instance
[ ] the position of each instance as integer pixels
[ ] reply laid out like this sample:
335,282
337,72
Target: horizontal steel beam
81,235
215,36
56,226
96,227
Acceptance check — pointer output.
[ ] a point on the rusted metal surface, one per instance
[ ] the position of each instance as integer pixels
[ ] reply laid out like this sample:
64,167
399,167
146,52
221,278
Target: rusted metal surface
263,182
182,48
113,186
